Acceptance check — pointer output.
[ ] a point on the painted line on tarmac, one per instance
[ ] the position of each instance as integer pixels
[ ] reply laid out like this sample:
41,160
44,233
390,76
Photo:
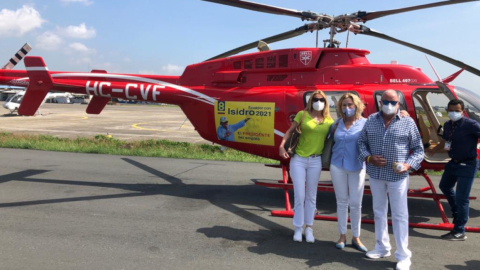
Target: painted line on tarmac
82,117
137,126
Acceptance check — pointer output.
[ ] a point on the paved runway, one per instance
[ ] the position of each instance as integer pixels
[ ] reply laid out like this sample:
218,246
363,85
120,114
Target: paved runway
126,122
85,211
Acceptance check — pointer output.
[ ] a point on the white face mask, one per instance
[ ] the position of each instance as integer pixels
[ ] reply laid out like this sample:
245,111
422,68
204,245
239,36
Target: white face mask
455,116
388,109
318,106
349,112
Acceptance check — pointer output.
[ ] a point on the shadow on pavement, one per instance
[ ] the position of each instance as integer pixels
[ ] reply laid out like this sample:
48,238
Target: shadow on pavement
274,239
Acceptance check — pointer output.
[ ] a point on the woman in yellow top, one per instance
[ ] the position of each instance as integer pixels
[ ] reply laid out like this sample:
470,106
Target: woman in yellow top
306,164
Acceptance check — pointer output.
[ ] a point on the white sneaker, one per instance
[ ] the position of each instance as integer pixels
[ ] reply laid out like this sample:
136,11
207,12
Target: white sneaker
403,265
309,235
374,254
297,236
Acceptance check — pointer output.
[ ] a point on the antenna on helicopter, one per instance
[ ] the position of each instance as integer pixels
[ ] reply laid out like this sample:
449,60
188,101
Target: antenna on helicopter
435,71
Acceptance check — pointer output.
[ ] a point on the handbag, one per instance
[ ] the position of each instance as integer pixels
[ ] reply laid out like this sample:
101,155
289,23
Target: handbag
328,147
292,142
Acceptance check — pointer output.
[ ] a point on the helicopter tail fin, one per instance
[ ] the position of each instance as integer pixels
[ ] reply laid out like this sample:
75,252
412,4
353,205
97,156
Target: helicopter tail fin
97,103
40,84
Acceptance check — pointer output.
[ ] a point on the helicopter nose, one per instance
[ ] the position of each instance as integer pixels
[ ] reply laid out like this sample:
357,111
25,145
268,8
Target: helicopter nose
8,106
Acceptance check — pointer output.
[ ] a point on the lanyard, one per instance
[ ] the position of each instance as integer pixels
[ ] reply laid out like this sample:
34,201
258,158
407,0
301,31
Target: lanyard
452,130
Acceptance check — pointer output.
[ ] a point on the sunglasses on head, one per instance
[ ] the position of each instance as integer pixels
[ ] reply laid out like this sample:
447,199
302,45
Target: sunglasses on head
318,99
386,102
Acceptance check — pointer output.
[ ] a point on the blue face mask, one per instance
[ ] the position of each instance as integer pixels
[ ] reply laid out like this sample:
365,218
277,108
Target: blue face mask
348,112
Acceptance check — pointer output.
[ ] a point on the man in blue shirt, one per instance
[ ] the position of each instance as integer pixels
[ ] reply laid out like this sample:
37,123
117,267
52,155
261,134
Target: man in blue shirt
226,132
391,145
461,137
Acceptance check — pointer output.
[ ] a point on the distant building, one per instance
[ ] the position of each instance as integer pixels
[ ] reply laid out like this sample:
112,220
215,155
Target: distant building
7,92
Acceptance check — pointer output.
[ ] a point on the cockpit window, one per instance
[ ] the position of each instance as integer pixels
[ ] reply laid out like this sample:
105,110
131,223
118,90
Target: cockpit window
471,100
17,99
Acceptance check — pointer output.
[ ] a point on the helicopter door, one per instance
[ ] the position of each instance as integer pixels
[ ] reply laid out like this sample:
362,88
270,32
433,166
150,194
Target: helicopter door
430,110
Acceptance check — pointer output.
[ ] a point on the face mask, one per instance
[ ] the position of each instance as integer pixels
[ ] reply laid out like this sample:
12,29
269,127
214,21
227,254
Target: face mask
388,109
348,112
455,116
318,106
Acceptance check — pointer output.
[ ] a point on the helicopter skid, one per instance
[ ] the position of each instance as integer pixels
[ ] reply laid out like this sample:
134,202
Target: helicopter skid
421,225
286,185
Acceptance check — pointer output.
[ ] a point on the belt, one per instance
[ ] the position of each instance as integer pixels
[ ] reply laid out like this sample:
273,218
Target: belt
314,156
463,160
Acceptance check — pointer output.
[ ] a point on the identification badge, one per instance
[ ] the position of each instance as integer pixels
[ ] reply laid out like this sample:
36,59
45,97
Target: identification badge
447,146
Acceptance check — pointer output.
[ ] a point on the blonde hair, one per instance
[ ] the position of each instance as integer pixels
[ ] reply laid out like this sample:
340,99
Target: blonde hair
356,100
325,111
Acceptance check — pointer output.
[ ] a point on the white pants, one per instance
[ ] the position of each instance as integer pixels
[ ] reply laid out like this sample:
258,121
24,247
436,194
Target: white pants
305,173
397,193
348,187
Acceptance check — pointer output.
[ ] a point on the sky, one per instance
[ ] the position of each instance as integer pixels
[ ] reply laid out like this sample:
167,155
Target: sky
165,36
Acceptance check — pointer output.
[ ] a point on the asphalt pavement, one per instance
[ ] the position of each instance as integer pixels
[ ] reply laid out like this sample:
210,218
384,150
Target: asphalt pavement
88,211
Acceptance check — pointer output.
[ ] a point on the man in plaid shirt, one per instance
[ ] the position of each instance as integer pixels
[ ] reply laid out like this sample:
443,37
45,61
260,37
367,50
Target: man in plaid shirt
390,145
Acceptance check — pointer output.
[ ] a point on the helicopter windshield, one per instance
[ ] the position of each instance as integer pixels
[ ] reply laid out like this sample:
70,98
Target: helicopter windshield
471,100
17,99
9,98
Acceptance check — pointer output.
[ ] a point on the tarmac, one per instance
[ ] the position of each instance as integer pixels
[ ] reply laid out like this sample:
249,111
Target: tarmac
89,211
126,122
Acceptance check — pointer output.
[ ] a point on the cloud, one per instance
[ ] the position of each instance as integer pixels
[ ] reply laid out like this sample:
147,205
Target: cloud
20,21
85,2
79,48
80,31
147,72
49,41
171,69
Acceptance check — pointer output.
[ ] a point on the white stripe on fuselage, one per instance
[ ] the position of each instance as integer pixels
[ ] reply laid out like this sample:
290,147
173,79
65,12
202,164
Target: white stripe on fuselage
134,78
36,68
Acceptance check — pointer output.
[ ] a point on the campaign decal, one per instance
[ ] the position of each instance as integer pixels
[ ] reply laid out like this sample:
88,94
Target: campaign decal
245,122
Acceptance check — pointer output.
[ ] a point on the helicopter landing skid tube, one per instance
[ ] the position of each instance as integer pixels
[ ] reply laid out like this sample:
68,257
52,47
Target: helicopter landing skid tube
286,184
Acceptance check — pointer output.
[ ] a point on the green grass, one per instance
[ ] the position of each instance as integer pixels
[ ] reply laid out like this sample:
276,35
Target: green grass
101,144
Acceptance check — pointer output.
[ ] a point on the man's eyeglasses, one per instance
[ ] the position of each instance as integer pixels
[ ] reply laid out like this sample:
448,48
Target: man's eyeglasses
318,99
386,102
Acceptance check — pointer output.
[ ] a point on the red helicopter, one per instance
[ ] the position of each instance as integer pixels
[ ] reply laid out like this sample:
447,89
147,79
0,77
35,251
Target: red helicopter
258,93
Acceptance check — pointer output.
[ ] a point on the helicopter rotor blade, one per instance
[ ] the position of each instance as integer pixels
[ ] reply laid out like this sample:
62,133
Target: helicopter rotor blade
286,35
366,16
370,32
304,15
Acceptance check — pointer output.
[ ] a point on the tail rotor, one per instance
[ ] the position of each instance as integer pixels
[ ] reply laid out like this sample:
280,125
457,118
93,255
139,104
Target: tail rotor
17,57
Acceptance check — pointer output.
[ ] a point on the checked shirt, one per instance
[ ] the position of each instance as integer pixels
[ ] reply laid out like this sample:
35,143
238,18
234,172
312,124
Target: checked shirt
394,144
